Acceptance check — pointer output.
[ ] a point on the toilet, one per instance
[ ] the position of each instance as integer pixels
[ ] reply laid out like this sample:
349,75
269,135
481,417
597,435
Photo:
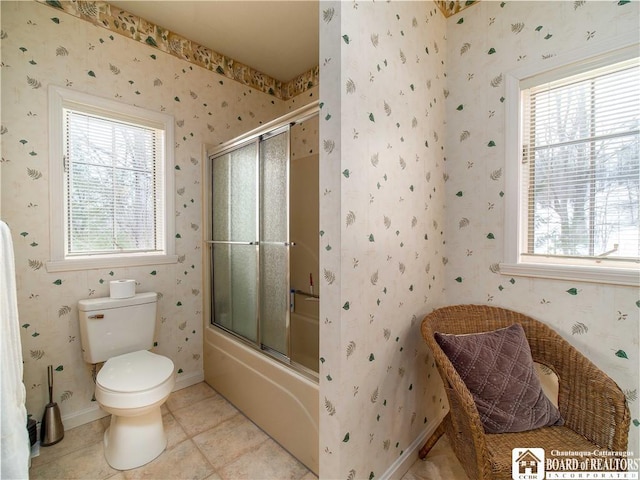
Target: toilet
133,383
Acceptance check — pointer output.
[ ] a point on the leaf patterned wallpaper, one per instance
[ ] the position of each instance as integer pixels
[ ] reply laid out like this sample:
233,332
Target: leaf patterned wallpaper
411,200
451,7
44,46
483,43
382,229
121,22
412,209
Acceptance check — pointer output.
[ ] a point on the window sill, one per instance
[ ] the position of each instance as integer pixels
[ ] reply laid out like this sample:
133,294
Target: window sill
87,263
574,273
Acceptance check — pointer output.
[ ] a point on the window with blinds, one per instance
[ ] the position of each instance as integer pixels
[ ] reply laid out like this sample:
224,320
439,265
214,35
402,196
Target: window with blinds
580,171
114,188
111,178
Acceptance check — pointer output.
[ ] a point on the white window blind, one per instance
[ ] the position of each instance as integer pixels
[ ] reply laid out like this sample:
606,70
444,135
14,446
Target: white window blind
580,176
114,185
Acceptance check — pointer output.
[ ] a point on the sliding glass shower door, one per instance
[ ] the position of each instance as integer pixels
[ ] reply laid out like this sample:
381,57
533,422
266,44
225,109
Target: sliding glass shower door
234,240
250,241
274,241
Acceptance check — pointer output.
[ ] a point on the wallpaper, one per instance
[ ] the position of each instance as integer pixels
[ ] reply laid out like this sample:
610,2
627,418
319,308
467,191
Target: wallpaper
382,230
41,47
411,200
451,7
121,22
483,43
388,255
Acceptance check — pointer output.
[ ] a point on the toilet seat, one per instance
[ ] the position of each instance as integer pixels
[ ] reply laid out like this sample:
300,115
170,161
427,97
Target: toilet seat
134,372
134,380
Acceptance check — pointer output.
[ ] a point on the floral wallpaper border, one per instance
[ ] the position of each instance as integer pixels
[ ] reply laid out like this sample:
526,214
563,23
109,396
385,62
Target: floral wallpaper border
132,26
451,7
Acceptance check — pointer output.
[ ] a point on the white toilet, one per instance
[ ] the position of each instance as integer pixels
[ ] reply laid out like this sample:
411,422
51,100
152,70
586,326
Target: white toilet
134,382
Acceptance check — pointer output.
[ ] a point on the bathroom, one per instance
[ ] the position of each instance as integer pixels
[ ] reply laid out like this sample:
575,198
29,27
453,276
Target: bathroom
208,109
380,270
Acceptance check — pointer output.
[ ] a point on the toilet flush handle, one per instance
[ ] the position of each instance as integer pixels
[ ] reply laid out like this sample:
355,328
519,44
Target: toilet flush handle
98,316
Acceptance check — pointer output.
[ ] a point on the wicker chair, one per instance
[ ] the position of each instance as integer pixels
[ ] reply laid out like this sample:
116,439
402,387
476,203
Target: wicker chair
593,406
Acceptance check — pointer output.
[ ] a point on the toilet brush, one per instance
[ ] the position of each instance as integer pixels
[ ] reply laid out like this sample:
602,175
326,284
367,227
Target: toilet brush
51,429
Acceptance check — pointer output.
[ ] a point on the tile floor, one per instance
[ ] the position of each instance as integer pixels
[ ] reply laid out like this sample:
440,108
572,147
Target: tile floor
440,464
209,439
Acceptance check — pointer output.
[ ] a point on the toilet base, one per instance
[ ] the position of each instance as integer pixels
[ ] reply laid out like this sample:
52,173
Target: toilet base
133,441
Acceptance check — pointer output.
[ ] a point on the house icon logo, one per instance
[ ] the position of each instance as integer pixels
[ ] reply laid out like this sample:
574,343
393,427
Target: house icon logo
527,464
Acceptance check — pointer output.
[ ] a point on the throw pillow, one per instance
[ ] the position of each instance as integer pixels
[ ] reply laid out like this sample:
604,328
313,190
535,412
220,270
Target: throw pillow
498,370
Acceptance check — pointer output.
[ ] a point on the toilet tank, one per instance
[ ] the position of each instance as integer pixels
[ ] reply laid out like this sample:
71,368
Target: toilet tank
111,327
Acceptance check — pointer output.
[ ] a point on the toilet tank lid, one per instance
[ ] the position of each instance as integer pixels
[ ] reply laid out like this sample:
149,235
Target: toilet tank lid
102,303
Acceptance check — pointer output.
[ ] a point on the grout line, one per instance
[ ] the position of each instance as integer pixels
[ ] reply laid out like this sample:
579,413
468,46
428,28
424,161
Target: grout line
240,454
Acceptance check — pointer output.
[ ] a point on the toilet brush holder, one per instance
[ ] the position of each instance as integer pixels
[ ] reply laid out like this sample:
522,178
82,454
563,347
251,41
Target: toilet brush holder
51,429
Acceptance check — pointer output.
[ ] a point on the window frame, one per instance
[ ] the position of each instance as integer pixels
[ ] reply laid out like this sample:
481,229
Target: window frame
61,98
578,61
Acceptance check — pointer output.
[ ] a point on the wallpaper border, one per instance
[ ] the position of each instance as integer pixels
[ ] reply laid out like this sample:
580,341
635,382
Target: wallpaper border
451,7
119,21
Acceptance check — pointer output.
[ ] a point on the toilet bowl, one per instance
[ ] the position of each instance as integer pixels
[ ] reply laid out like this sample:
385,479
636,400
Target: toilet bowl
133,387
133,382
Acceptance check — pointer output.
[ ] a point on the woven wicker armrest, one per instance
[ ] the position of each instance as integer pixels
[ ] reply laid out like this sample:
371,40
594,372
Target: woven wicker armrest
463,427
590,402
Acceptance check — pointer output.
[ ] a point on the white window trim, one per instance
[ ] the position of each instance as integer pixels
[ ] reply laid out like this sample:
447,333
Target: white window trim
58,98
583,59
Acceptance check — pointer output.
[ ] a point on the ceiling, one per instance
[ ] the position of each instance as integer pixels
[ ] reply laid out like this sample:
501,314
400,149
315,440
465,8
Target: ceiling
278,38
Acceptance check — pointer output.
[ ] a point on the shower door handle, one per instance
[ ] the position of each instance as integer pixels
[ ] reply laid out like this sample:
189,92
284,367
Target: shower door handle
223,242
286,244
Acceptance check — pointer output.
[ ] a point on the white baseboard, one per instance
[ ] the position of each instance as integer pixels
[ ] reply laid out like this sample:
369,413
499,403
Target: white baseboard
402,464
93,413
81,417
184,381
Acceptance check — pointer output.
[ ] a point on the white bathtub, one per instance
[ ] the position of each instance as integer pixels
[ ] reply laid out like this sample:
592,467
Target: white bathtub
281,401
304,340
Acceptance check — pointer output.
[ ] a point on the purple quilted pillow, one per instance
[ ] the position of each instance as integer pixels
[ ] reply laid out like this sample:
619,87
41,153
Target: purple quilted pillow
498,370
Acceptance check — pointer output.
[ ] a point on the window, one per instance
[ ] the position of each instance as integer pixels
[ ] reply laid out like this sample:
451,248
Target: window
578,178
580,166
111,173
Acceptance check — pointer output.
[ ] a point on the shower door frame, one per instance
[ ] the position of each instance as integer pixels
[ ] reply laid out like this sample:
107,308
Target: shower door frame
267,131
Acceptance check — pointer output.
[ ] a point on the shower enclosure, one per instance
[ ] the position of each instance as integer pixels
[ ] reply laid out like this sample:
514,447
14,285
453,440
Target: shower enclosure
252,246
261,214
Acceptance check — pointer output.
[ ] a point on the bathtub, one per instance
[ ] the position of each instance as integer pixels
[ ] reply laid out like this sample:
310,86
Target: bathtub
281,401
304,340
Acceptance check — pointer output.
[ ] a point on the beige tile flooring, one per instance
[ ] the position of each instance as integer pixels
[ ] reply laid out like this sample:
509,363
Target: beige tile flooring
440,464
208,438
